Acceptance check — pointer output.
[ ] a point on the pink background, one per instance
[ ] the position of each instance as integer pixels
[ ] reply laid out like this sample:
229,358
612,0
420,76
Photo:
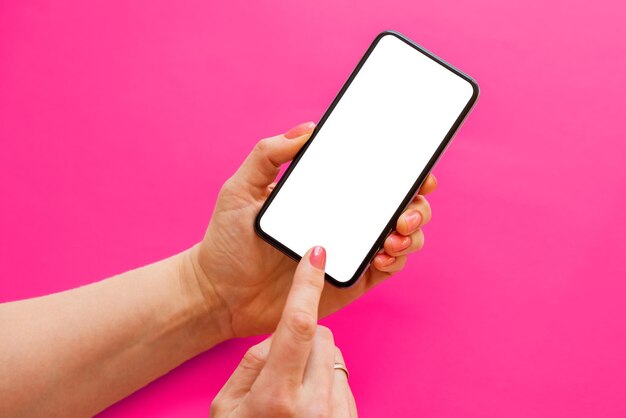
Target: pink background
120,120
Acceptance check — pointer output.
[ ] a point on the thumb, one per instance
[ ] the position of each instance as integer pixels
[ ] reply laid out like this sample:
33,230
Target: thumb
261,166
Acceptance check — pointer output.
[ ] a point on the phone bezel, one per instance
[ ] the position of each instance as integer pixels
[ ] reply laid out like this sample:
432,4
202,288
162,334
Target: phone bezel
411,193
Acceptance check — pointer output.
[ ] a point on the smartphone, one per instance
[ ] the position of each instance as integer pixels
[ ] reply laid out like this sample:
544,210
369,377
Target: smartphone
367,157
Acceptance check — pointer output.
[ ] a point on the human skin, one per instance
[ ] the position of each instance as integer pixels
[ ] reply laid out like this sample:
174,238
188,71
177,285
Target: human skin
252,290
76,352
291,373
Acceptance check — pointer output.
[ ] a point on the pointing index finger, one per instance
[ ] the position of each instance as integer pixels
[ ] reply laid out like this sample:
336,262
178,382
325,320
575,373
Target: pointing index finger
293,339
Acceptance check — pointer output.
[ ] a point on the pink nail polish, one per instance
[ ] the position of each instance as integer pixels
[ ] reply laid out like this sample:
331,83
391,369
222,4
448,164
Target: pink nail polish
413,219
303,128
399,243
385,260
318,257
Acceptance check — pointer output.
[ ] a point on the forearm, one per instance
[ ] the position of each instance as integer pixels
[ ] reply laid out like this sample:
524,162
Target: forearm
76,352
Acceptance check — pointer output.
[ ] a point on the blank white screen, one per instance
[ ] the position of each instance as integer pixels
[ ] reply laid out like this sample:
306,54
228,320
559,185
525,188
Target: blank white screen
367,155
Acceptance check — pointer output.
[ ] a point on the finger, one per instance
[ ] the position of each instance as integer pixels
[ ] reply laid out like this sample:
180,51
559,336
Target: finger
262,165
382,260
248,369
318,376
397,245
429,185
416,215
294,334
343,400
338,358
388,264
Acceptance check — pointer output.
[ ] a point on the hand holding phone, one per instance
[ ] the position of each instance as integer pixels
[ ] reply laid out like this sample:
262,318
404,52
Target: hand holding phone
244,277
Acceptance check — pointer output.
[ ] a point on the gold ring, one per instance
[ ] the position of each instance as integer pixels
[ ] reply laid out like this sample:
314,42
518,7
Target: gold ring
342,367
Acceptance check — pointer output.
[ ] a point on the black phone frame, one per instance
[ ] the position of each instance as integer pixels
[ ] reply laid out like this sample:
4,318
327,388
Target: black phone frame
411,193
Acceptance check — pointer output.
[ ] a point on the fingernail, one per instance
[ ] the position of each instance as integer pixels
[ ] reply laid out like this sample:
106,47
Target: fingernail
399,243
318,257
303,128
386,260
413,219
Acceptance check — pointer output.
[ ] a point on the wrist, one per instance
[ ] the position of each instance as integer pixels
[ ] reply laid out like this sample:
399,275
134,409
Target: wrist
210,317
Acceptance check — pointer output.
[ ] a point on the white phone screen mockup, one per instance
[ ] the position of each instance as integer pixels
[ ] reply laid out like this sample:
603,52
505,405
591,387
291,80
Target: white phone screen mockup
368,156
